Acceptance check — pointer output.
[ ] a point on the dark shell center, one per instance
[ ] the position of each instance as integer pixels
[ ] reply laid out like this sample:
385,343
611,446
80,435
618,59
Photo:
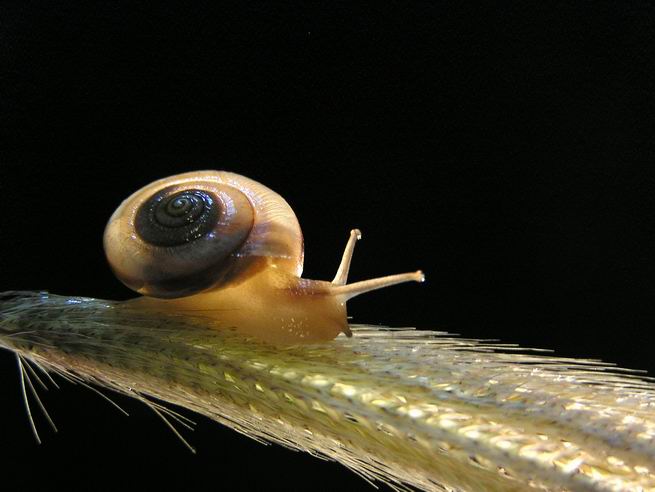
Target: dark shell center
173,218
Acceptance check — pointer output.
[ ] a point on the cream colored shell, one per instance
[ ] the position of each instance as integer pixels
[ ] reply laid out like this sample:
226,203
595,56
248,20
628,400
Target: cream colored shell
274,232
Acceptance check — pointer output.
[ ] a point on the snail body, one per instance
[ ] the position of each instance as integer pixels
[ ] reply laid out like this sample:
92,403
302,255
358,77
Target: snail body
222,246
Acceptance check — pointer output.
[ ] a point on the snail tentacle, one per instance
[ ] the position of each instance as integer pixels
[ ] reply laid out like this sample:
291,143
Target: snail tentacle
349,291
341,278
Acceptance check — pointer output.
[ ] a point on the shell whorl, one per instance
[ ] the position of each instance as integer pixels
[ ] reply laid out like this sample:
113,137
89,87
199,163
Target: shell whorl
194,231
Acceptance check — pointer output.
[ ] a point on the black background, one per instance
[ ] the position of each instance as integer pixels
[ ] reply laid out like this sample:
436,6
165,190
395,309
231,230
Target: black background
503,150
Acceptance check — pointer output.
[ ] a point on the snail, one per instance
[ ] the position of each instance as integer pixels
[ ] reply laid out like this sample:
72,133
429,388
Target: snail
227,247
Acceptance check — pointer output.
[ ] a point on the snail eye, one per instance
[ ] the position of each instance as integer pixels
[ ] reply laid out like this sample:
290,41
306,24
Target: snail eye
174,218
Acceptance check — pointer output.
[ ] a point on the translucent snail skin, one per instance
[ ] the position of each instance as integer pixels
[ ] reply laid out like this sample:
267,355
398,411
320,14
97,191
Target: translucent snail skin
228,248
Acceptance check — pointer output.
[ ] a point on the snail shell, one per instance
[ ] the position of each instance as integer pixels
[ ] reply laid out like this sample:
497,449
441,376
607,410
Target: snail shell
223,244
194,231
